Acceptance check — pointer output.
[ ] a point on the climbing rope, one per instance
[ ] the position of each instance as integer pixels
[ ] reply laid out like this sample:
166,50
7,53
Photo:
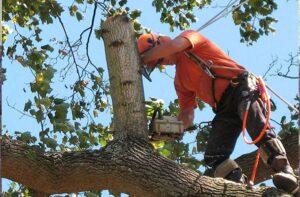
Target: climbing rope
265,98
223,13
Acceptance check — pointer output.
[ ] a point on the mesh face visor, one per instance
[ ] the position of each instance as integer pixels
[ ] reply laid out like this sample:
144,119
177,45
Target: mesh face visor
149,69
152,43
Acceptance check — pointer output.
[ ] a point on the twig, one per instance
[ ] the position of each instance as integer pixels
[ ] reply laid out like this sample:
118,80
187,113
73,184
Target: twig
292,62
68,40
271,65
88,40
21,112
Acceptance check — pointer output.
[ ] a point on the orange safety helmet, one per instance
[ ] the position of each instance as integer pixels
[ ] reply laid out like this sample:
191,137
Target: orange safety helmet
146,42
150,40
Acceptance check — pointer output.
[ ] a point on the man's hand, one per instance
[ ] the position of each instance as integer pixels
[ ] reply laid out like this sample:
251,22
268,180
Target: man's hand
187,117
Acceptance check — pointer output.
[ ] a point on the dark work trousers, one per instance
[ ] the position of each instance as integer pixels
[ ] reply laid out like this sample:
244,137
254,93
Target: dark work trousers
227,123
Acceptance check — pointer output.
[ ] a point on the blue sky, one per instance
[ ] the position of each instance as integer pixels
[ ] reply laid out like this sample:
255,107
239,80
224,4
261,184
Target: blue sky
224,33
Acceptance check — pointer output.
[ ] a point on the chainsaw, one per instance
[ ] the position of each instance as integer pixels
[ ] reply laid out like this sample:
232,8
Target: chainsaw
166,128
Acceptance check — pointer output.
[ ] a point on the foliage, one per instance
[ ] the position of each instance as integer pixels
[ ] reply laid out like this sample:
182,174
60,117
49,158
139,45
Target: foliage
255,19
16,190
289,126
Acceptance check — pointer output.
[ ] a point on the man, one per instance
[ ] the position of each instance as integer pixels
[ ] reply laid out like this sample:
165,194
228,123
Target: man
203,70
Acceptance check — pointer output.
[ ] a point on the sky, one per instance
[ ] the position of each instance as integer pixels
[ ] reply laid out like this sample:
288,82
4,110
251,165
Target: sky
224,33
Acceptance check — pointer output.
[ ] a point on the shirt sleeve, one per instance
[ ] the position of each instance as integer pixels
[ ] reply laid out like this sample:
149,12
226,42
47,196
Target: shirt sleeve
186,99
194,37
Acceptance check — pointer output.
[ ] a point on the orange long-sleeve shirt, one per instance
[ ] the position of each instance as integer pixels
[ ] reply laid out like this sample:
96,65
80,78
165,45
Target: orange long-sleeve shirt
191,81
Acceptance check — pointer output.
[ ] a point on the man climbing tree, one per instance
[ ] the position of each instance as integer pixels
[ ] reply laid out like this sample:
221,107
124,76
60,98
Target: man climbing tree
67,89
204,71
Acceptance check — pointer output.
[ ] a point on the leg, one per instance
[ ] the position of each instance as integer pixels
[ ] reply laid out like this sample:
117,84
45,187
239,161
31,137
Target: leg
221,142
272,150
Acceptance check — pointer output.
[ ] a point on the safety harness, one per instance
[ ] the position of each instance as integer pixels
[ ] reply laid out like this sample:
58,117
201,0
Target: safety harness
207,68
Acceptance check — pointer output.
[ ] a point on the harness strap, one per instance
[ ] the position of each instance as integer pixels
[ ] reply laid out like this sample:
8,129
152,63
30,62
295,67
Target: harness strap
201,63
206,67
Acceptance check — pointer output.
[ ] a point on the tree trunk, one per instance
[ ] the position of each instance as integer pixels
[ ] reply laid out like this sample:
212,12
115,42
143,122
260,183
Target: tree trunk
129,116
127,164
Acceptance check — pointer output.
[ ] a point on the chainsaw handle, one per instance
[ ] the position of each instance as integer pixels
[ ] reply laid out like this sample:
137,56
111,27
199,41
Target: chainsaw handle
191,128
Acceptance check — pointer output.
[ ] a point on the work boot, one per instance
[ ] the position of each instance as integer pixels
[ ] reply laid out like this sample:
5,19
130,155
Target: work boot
230,170
286,180
273,154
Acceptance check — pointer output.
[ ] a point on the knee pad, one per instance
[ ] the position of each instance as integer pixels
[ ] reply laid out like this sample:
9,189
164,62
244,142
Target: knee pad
225,168
214,160
230,170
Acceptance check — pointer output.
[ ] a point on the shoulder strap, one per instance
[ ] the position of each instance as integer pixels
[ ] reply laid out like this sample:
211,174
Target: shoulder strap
201,63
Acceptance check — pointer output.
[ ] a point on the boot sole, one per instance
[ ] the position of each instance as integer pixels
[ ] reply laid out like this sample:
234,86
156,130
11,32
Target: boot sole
286,182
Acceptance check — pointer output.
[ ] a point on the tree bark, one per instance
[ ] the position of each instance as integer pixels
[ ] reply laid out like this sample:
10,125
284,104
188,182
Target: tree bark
129,166
129,116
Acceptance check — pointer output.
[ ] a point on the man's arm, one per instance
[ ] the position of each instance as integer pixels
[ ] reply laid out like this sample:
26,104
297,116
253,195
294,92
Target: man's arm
187,104
166,49
186,116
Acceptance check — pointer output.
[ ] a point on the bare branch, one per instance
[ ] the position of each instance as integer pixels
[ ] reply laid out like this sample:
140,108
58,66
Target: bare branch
16,109
88,40
292,62
68,40
271,65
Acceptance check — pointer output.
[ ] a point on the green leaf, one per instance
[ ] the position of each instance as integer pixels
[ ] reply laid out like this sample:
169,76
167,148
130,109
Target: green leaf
49,73
46,102
200,104
113,2
51,143
165,152
25,137
79,16
158,144
58,101
47,47
103,142
32,112
135,14
114,193
98,33
73,140
39,115
122,2
73,9
28,105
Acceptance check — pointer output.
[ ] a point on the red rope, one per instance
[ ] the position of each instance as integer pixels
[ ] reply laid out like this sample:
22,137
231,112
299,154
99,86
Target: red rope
255,165
265,97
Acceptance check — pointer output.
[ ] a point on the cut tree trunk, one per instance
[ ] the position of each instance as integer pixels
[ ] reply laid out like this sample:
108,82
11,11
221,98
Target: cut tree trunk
126,88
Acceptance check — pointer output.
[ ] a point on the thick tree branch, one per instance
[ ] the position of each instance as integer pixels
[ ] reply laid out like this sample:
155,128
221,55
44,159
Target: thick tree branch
128,165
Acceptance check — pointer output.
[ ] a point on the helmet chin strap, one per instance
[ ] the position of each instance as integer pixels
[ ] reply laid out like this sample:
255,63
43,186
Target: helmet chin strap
147,70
